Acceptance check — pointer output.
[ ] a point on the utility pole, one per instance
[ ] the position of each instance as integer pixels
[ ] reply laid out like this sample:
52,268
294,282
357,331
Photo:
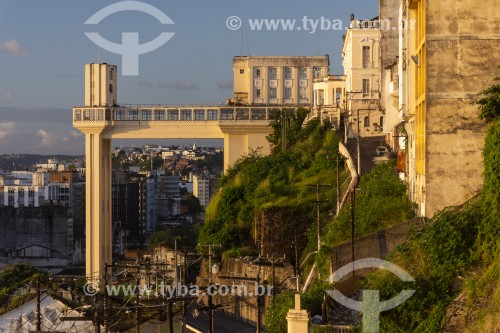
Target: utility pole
137,311
260,298
358,145
210,307
38,312
318,206
297,266
353,210
105,300
170,317
338,184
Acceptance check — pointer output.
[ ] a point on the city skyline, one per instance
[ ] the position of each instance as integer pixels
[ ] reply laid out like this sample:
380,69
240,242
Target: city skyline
42,76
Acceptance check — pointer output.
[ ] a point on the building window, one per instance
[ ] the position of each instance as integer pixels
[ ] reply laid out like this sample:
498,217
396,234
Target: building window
382,121
366,57
146,115
366,88
110,88
242,71
257,73
288,73
199,114
273,73
159,115
133,115
186,115
111,74
288,93
257,93
366,121
317,72
303,73
172,115
273,93
119,114
303,93
211,114
88,114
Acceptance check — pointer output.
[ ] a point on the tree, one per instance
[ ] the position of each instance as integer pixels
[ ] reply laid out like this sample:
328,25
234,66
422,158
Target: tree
490,103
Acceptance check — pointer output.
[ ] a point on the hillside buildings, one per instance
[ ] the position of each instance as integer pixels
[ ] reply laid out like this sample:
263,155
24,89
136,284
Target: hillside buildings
329,99
361,62
446,52
276,80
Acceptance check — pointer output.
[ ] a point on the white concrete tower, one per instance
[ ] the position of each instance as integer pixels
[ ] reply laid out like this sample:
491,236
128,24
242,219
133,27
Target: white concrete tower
100,90
100,84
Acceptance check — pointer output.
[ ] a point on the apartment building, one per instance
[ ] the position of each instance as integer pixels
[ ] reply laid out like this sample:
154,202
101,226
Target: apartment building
329,97
201,190
276,79
448,51
361,62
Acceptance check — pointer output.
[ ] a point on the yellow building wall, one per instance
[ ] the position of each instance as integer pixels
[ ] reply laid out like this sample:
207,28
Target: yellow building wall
458,49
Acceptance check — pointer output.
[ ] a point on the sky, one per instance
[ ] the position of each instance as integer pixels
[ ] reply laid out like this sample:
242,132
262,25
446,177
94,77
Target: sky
43,49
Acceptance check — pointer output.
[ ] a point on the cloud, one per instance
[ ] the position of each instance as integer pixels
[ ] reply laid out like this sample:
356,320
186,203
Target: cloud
7,96
13,46
185,85
179,85
145,84
6,128
76,134
225,84
46,139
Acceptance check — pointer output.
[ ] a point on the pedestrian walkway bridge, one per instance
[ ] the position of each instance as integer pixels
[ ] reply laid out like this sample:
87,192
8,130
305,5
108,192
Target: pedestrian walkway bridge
176,122
243,129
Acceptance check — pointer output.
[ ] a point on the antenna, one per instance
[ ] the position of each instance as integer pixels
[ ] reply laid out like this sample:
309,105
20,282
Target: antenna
241,40
98,49
317,44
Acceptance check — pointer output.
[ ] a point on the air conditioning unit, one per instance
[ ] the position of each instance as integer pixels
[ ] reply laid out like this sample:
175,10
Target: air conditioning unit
258,82
273,83
303,83
288,83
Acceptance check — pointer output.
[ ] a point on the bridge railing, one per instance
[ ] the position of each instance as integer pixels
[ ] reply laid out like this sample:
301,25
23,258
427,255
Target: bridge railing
176,114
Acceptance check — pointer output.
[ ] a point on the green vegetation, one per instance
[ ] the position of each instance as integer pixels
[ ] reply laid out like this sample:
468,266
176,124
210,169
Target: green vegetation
458,241
434,256
380,203
275,183
12,279
275,187
490,102
185,236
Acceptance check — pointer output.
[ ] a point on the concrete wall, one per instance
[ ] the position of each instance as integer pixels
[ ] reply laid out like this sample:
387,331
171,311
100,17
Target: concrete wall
46,226
375,245
463,54
244,308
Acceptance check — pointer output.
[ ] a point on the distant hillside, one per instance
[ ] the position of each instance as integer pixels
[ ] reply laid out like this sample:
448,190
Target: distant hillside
24,161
